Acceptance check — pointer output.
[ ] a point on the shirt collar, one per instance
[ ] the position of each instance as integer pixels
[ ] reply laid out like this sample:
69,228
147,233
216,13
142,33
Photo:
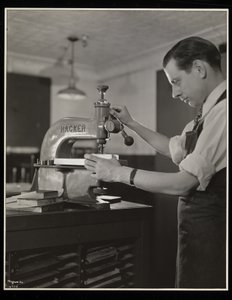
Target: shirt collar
213,97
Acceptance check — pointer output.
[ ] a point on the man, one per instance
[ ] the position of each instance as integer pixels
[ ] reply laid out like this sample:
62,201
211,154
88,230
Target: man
193,68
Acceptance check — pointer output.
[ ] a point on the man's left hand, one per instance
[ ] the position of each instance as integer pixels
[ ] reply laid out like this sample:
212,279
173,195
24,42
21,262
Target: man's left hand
101,168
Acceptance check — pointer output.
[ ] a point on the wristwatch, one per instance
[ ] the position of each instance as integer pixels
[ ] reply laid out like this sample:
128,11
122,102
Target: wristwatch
132,176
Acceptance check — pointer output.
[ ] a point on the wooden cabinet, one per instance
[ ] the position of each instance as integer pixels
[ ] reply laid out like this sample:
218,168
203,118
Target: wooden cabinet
61,250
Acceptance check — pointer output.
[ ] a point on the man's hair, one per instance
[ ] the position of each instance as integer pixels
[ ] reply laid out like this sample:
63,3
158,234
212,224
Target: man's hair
190,49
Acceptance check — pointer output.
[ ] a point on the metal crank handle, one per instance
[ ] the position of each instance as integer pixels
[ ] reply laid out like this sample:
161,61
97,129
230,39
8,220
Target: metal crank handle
128,140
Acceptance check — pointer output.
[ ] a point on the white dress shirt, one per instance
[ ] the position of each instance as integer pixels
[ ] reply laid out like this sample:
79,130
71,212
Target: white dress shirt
209,155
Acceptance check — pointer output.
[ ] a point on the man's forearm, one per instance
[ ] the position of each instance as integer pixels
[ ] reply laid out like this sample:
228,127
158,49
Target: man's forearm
158,141
179,183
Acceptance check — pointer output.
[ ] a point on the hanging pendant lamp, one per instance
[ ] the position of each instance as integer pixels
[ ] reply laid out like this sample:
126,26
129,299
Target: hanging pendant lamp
72,92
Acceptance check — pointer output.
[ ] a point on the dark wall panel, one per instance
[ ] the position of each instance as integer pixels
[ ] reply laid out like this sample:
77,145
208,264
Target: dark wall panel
27,109
172,116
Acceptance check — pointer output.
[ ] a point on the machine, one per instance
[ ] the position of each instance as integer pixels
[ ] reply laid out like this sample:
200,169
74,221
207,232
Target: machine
71,138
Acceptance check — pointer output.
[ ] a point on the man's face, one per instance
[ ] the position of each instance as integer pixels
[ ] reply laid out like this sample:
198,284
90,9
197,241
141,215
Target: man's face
187,86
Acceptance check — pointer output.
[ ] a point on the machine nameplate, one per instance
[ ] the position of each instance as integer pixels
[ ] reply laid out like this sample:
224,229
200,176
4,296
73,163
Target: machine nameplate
73,128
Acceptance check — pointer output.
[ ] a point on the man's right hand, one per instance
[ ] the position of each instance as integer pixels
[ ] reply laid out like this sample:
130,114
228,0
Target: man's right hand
121,113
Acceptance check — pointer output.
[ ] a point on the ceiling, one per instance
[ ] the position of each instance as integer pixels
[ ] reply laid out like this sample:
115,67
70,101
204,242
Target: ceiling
114,36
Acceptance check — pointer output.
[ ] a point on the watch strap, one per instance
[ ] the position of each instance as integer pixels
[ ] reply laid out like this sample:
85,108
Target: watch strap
132,176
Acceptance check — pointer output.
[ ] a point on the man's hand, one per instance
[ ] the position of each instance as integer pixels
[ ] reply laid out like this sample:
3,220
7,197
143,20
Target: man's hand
121,113
103,169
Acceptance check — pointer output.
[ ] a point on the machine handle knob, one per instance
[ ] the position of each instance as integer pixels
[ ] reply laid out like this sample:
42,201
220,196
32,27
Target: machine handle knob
128,140
102,89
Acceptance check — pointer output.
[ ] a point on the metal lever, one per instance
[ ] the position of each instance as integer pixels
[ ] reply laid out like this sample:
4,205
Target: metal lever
128,140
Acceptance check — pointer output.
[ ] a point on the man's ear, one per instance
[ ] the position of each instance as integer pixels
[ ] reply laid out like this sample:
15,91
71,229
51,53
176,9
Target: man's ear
200,67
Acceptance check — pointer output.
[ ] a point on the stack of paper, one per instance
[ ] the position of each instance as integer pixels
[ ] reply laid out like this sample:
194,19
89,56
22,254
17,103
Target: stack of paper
36,201
80,161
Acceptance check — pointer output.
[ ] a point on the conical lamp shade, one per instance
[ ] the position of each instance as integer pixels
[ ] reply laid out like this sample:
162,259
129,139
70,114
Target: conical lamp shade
71,93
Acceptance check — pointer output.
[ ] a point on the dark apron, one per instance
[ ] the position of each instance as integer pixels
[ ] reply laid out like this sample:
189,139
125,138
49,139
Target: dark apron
201,253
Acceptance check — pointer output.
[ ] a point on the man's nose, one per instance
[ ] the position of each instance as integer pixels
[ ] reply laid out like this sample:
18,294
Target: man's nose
176,93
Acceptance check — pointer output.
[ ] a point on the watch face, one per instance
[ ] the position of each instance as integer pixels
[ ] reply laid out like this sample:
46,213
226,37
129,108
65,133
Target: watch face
110,125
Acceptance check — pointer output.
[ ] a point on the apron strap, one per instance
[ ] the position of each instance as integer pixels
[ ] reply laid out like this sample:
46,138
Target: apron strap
193,135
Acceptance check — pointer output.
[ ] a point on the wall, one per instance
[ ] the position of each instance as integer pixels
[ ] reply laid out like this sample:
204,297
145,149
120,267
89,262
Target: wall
83,108
137,91
132,83
58,108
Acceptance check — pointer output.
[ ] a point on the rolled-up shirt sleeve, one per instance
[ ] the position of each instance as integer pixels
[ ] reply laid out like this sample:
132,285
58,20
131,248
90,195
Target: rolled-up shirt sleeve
209,155
176,148
200,167
177,145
